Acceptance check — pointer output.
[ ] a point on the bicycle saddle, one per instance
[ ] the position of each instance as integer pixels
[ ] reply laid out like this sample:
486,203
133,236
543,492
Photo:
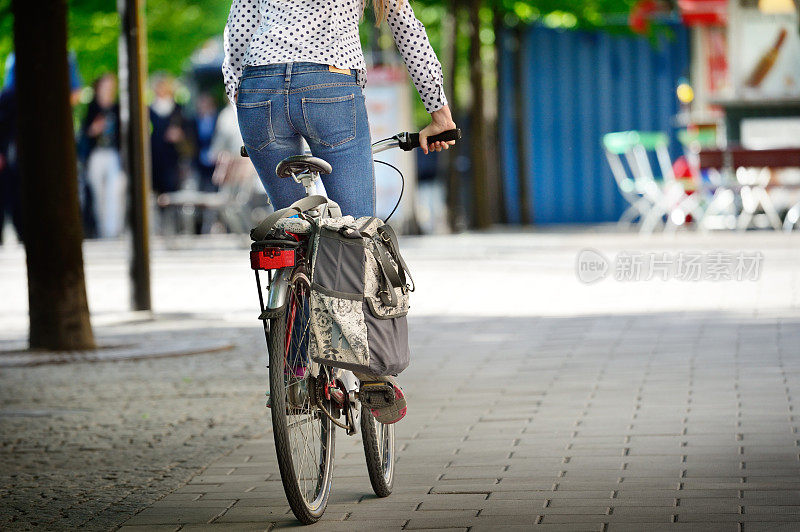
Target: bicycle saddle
302,164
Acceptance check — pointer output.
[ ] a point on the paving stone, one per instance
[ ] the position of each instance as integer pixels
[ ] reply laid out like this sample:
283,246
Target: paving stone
674,527
655,513
348,526
772,527
455,502
252,514
276,500
752,510
209,503
233,527
550,494
477,521
237,495
572,527
609,502
173,516
597,519
148,528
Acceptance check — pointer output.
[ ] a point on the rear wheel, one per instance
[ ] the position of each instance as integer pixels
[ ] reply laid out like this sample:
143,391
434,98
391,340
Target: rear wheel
304,436
378,442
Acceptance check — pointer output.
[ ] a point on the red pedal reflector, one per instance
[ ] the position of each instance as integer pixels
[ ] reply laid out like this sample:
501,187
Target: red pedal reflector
271,258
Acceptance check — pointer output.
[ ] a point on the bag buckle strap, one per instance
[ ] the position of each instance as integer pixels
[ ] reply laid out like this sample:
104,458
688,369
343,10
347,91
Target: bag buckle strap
388,297
388,235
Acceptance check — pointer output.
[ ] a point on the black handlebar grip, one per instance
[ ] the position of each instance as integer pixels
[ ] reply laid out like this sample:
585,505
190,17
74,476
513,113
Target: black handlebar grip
453,134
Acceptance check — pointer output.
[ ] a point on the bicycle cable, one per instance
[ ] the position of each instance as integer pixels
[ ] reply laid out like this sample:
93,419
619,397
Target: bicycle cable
402,186
329,416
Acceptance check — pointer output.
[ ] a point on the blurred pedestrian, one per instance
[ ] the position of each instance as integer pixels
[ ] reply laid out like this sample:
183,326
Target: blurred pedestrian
99,148
10,199
232,168
202,126
168,132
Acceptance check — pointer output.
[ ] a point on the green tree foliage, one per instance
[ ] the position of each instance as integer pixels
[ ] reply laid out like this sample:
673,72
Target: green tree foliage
93,33
178,27
6,34
557,13
611,15
175,28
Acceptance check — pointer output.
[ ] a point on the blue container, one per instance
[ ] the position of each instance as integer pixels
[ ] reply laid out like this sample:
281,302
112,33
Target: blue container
579,85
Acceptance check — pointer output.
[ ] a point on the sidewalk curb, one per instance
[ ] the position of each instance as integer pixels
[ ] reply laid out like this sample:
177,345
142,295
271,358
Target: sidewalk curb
112,353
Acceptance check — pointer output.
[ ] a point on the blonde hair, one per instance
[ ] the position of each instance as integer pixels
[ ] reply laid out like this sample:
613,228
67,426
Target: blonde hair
380,9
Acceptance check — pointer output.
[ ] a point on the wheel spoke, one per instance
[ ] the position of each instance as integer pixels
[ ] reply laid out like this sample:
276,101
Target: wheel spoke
309,444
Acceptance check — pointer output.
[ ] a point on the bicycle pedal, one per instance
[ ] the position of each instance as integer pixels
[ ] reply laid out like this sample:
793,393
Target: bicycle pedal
376,394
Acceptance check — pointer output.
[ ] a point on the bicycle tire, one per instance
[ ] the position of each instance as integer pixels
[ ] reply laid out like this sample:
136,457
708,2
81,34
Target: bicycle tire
378,440
294,460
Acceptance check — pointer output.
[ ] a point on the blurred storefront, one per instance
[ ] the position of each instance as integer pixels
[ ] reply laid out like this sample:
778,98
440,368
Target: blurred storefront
745,121
719,81
746,69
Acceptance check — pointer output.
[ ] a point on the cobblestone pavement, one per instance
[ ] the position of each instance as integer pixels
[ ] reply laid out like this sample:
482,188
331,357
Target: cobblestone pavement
534,400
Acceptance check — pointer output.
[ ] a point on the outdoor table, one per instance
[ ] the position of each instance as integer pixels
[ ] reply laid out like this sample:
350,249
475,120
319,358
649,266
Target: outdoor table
741,157
753,187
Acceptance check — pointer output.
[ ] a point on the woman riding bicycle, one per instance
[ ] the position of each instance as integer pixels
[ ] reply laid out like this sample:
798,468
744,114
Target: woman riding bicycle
295,70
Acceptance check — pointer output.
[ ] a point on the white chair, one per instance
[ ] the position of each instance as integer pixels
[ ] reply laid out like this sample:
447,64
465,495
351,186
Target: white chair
668,202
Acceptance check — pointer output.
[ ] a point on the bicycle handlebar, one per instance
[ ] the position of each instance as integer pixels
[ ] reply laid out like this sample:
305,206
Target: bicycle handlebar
409,141
405,141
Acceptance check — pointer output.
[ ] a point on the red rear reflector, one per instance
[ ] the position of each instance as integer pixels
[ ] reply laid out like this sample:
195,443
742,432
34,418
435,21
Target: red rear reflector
271,258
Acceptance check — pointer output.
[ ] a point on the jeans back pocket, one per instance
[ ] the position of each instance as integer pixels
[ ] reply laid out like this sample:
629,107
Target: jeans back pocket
255,124
330,121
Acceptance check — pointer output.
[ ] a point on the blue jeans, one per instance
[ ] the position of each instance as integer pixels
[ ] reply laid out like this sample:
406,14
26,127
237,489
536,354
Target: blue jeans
280,104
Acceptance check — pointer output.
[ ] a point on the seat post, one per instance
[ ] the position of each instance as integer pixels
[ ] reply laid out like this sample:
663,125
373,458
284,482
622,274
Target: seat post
309,182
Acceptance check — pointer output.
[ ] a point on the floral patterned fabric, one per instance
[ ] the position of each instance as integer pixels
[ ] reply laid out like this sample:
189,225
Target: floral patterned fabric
297,226
334,224
338,330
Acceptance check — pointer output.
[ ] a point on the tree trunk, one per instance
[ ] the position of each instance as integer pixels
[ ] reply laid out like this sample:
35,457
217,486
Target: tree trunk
478,140
59,313
135,142
451,65
495,175
524,157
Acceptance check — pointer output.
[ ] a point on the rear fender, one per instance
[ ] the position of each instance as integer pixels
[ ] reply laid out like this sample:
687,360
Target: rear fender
279,289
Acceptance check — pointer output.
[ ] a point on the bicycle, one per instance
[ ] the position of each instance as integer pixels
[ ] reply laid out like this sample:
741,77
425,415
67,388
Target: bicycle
309,400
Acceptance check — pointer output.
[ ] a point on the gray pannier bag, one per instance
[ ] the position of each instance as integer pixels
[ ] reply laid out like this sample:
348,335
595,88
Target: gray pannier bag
359,297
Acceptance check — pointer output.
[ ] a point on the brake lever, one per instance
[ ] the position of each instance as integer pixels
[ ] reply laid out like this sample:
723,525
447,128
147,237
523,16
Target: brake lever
405,141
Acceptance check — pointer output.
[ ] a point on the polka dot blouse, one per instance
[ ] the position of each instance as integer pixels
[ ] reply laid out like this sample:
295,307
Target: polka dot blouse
263,32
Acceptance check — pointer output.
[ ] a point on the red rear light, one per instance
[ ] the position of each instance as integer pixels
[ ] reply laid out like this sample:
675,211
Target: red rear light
272,258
